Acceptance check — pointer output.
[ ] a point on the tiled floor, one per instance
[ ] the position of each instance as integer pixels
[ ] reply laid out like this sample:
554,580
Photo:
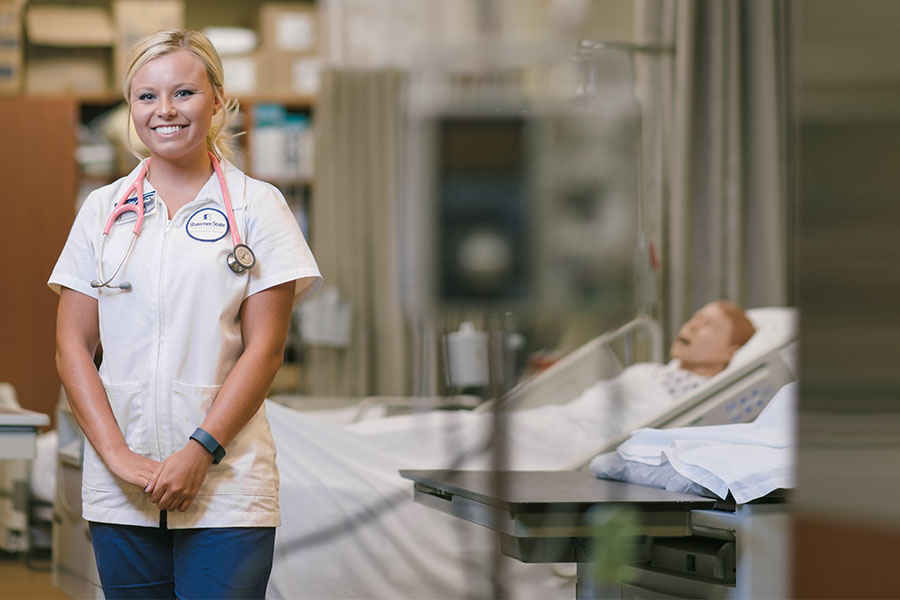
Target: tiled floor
19,582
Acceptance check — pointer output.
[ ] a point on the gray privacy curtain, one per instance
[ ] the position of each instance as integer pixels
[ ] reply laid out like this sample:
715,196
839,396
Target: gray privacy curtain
724,207
353,235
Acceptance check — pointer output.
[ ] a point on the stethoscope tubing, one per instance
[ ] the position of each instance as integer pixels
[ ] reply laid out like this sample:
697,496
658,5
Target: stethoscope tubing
237,260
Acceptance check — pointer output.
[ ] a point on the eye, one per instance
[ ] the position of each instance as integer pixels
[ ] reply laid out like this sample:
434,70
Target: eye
184,93
145,96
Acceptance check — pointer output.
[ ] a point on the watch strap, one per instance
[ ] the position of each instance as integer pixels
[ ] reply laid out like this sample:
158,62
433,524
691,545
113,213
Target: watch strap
209,442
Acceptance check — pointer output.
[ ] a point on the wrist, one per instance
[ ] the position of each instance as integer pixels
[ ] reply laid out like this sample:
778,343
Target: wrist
208,442
114,452
197,449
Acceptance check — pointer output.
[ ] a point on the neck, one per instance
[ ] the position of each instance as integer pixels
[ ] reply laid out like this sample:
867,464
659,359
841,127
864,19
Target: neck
182,170
705,369
179,181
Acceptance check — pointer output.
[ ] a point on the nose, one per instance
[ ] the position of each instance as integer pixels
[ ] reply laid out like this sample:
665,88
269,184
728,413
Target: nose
166,108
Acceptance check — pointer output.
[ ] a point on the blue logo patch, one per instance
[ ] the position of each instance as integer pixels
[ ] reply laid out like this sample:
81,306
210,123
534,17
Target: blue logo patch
207,225
149,207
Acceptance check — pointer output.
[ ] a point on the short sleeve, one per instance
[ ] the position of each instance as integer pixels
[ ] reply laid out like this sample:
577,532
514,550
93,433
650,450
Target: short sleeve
77,263
282,253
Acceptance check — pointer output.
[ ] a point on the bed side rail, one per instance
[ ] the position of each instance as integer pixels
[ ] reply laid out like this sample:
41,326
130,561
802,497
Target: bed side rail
737,397
596,360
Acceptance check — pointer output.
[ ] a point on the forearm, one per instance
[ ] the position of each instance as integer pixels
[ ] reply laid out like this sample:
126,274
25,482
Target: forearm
265,317
87,399
243,393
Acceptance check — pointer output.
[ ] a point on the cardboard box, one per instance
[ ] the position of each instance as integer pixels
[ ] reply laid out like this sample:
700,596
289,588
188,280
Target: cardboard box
282,74
240,74
68,25
10,48
289,28
73,71
133,19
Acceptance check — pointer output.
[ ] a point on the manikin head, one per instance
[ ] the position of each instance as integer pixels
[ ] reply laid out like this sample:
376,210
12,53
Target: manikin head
708,341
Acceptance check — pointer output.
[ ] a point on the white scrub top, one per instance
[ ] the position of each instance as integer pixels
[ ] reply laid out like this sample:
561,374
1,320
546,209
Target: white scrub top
170,342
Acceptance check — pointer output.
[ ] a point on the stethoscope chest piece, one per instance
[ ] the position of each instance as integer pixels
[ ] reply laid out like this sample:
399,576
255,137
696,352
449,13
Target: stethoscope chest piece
241,259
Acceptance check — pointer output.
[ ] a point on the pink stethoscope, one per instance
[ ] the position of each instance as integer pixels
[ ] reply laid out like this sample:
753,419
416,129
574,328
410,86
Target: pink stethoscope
240,259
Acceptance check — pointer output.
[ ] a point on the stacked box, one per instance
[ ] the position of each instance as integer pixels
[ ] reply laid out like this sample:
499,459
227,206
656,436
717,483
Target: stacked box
68,49
133,19
10,48
289,56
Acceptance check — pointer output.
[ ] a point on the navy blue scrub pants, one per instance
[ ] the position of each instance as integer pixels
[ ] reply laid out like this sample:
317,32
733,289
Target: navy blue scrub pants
151,562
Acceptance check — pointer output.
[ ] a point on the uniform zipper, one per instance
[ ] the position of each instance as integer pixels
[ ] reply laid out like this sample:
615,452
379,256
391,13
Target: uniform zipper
160,327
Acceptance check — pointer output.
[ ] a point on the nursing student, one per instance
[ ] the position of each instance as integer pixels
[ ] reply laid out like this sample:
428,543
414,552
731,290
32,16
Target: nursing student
188,288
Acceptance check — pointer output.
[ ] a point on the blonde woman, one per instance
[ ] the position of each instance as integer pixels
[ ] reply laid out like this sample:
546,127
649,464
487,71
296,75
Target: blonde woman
180,484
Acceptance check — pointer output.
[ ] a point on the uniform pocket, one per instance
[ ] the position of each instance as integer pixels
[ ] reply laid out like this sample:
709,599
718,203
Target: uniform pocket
190,405
125,399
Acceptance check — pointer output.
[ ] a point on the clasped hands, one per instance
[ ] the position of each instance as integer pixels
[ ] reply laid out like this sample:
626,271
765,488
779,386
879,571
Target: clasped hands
173,483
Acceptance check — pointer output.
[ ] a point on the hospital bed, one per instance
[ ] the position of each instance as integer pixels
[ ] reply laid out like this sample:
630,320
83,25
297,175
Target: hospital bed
689,546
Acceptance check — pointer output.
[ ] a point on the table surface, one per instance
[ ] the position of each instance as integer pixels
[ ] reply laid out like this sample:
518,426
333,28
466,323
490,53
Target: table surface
19,417
548,491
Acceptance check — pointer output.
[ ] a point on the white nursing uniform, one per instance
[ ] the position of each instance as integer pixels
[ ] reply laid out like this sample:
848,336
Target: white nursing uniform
170,341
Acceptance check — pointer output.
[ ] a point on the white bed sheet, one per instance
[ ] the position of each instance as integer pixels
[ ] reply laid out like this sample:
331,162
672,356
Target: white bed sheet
350,528
749,460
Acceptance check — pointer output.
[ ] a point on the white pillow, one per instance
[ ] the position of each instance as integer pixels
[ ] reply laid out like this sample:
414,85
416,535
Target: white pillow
775,326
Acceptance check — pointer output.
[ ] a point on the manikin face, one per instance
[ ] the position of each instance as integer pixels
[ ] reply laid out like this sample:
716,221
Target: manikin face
172,104
705,339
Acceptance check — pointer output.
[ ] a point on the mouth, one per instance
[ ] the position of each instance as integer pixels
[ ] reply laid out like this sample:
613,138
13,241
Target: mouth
168,129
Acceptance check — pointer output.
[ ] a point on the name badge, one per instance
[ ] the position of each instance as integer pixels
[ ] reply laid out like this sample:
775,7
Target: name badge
149,207
207,225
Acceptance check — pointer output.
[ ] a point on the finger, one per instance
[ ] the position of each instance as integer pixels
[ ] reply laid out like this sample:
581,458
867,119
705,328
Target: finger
154,478
151,483
155,488
186,504
165,503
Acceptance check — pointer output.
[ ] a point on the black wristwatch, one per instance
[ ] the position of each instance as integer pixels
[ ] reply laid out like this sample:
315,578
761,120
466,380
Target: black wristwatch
210,443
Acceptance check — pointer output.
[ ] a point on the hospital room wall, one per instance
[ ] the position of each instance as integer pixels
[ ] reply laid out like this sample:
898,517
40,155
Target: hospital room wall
847,525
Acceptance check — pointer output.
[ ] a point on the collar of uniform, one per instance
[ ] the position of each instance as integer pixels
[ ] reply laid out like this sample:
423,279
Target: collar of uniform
234,178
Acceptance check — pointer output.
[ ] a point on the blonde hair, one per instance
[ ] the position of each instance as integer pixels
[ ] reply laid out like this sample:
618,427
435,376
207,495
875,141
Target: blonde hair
218,140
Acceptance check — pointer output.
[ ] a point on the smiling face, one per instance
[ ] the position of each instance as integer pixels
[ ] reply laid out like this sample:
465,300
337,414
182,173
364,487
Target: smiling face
172,104
706,343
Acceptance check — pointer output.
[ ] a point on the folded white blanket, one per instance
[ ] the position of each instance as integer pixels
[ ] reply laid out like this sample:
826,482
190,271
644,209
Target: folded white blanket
748,459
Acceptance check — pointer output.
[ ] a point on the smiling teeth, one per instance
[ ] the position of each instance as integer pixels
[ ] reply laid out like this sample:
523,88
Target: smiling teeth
169,129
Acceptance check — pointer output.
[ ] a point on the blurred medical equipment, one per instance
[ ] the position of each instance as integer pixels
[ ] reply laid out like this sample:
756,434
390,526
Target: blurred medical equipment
518,200
325,319
728,549
74,569
686,542
467,356
239,259
19,429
